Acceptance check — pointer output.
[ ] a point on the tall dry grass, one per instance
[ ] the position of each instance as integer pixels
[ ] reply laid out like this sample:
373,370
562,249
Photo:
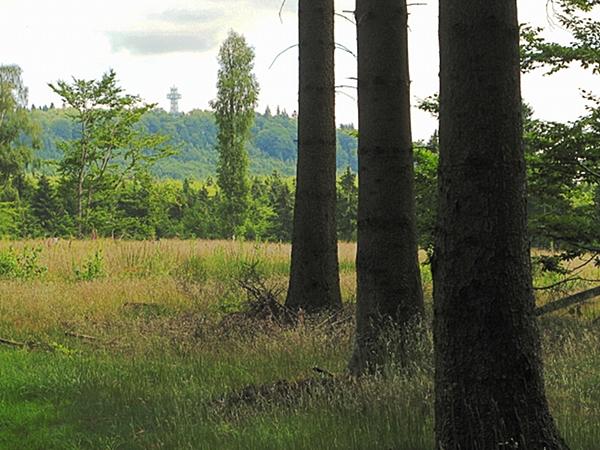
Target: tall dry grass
162,356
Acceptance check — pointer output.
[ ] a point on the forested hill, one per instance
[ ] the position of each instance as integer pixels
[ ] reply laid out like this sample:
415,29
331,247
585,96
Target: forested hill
272,146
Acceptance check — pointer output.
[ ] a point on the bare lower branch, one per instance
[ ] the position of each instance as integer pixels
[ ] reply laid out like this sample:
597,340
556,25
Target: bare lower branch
12,343
588,170
281,53
565,302
338,91
281,11
343,16
344,48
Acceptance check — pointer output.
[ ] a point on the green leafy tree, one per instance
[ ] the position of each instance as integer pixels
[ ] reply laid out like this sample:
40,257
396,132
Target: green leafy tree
237,97
563,158
17,131
167,206
563,172
426,165
347,205
576,17
110,148
258,219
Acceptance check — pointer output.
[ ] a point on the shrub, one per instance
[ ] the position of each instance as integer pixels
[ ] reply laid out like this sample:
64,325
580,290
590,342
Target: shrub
21,266
92,269
8,263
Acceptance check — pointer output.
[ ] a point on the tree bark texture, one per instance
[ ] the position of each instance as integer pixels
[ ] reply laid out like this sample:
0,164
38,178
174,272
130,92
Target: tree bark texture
314,275
488,370
389,281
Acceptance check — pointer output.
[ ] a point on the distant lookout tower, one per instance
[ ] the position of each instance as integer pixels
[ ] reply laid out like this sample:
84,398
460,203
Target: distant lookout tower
174,96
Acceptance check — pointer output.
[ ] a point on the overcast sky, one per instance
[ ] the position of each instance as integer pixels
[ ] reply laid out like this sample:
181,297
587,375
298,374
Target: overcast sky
154,44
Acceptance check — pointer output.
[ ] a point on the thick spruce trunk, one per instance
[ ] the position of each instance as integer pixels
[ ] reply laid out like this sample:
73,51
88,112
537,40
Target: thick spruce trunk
314,277
389,281
488,371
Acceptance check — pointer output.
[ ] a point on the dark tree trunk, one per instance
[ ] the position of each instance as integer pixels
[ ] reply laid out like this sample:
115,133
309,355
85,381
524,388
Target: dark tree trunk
314,277
389,280
488,370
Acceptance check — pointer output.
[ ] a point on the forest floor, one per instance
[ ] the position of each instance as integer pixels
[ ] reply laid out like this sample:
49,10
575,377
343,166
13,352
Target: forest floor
144,345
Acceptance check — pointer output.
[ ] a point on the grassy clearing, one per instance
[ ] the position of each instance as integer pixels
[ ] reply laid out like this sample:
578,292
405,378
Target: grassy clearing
163,360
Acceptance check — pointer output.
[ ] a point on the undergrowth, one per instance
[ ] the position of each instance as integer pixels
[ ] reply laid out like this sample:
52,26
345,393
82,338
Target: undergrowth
179,352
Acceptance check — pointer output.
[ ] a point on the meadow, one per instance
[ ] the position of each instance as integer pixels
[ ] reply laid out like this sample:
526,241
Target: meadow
149,345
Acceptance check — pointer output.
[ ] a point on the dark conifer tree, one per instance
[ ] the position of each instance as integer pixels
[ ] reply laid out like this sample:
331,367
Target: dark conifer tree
281,202
314,277
46,208
488,369
389,281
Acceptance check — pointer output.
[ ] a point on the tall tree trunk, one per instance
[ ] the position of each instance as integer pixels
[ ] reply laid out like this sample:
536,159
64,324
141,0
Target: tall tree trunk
488,370
389,280
80,194
314,278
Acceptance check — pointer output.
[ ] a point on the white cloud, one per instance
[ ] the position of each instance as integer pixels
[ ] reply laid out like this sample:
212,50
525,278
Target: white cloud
189,16
161,42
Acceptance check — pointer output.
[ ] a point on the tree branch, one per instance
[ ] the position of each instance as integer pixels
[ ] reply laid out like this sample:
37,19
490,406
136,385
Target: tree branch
588,170
565,302
281,11
281,53
12,343
343,16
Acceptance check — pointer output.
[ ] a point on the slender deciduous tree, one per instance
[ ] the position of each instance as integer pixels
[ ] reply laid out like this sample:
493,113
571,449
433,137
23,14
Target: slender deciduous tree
15,123
389,281
314,277
488,371
110,148
237,96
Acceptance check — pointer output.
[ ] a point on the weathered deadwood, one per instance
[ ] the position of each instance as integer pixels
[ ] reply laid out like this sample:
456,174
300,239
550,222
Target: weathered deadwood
12,343
323,372
80,336
140,305
570,300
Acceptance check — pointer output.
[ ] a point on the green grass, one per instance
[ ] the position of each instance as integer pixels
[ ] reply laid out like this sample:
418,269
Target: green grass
155,376
54,401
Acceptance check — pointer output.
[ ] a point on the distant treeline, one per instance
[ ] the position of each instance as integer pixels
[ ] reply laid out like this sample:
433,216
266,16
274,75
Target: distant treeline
272,146
148,208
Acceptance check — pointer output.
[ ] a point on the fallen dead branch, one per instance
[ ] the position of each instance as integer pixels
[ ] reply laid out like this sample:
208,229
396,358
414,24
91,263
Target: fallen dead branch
323,371
29,345
140,305
12,343
262,300
280,392
568,301
81,336
91,339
